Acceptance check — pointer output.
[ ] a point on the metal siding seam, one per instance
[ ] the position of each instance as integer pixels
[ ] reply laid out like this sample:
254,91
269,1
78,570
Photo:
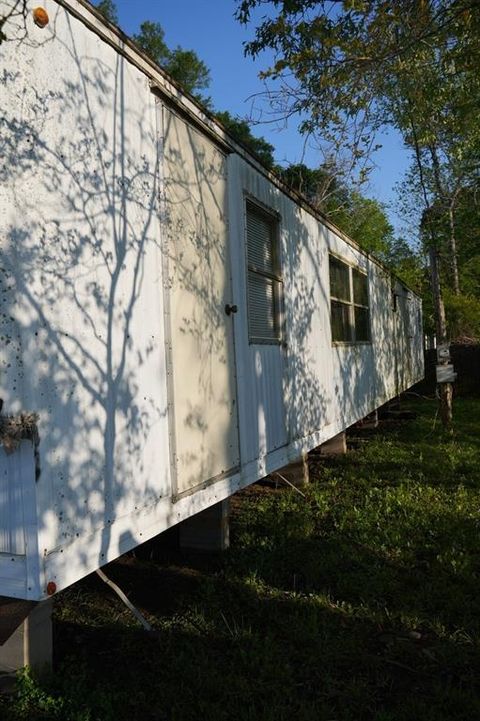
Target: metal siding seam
27,459
160,118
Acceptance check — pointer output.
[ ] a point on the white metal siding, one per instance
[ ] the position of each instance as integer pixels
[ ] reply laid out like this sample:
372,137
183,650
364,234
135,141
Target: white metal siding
267,430
81,262
13,577
12,531
19,560
321,385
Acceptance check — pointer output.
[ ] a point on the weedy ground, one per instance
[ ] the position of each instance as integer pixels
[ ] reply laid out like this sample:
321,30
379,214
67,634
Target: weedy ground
359,601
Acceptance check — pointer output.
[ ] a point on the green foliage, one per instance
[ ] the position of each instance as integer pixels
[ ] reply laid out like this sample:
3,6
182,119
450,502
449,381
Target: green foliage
462,223
316,185
355,602
183,65
364,61
362,65
193,75
408,264
241,131
151,39
363,219
463,316
470,276
187,69
467,227
108,9
324,187
462,311
52,698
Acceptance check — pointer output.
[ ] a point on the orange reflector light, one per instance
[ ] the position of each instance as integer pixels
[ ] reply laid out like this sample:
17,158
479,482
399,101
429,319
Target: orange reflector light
40,17
51,588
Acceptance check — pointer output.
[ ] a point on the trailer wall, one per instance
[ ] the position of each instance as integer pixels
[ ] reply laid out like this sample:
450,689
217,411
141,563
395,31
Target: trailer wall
122,242
82,307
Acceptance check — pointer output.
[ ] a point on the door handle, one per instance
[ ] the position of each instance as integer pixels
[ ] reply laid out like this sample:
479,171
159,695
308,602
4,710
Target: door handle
231,309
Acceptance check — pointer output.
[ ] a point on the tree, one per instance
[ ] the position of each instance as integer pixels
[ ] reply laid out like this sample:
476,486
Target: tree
468,228
365,220
193,75
323,187
187,69
412,65
109,10
183,65
461,293
151,39
241,131
362,218
409,264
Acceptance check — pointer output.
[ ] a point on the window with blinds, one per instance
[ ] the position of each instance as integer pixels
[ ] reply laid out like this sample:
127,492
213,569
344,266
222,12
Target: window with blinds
350,313
264,283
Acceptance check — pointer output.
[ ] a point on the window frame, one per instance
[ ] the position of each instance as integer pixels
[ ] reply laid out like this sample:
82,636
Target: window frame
254,206
350,304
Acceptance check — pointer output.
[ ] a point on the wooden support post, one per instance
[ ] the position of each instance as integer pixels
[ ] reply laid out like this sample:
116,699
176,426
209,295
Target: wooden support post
296,472
31,644
208,530
335,446
369,422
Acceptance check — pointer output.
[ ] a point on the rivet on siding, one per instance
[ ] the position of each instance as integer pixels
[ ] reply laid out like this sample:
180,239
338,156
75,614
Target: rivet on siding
40,17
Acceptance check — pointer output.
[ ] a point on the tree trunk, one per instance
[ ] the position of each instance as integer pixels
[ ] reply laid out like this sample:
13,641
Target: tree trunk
450,199
439,308
446,396
445,390
453,248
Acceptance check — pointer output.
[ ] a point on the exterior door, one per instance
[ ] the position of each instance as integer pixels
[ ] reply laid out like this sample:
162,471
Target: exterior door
260,328
202,380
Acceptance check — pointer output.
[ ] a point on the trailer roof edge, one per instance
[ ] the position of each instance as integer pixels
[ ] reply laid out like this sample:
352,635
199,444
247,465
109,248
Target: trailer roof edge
163,84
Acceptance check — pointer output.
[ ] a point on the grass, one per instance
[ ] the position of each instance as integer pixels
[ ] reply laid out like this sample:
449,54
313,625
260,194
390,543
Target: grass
358,602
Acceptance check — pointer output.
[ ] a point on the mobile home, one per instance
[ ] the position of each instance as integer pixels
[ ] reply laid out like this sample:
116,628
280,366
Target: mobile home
175,323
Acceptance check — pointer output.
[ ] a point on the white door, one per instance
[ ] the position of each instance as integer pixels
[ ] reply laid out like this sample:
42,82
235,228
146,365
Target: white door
201,358
266,331
260,328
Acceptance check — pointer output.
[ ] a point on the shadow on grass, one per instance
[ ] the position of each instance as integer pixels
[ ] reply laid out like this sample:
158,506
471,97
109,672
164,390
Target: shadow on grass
357,602
234,647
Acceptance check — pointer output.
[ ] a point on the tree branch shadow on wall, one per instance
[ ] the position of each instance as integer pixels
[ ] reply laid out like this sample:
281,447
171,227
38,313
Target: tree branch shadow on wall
77,283
72,275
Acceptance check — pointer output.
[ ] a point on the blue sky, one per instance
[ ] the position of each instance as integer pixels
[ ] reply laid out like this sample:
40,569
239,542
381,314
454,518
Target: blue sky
209,28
